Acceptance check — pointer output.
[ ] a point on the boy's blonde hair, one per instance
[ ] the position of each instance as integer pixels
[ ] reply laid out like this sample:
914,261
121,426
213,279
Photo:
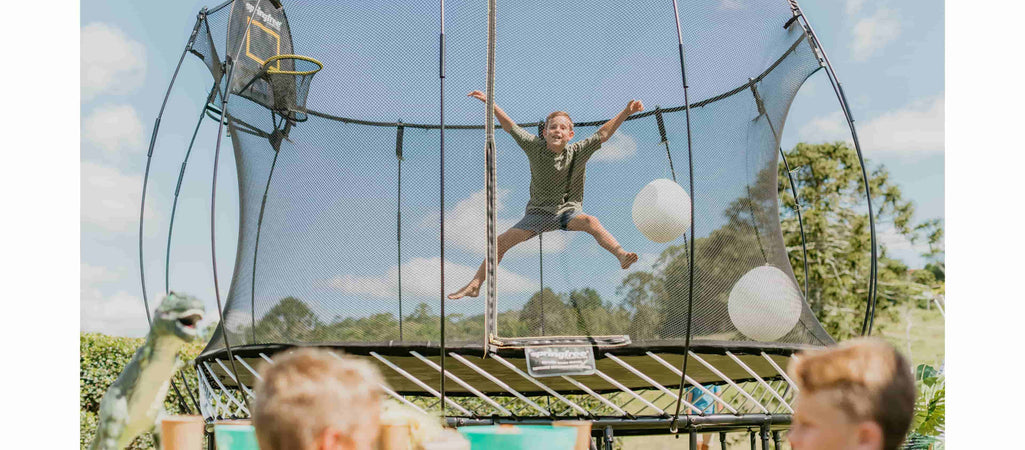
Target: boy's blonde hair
306,391
557,114
867,379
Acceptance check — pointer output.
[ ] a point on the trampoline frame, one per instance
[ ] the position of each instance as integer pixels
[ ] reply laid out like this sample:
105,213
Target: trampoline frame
754,402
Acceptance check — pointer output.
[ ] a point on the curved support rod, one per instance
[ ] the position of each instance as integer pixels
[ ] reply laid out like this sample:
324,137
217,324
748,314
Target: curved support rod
690,252
870,309
177,190
145,183
149,160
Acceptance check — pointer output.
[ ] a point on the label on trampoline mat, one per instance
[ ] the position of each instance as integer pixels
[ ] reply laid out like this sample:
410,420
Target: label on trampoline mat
553,361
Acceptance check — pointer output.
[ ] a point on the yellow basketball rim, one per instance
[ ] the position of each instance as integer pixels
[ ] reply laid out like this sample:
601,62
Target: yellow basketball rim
267,65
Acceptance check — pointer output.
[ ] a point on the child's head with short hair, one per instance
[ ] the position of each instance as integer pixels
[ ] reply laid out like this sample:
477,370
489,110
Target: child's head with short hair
559,114
311,399
558,129
859,394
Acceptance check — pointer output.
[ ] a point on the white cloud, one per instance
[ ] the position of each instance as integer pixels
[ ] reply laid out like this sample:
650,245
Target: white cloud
874,32
916,129
420,278
466,222
121,314
93,275
853,6
828,128
619,146
113,129
111,61
896,242
110,199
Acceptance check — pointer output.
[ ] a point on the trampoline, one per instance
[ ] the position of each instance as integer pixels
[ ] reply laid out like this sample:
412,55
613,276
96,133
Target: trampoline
370,187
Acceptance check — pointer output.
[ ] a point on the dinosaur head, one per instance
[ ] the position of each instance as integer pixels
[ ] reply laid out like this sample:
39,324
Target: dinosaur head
179,315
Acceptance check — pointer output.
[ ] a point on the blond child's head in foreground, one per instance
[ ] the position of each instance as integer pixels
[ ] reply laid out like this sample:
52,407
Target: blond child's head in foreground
857,395
312,400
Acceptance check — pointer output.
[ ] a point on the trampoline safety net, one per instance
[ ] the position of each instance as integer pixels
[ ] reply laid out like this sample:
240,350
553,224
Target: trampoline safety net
340,205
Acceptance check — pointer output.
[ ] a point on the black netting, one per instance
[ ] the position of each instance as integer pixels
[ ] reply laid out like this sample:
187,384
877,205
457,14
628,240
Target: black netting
203,47
325,213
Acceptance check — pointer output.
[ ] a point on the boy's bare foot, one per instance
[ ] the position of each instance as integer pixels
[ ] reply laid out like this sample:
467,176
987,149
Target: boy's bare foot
470,290
627,259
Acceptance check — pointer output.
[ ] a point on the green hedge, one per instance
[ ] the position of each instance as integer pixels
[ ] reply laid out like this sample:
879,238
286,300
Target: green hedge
101,360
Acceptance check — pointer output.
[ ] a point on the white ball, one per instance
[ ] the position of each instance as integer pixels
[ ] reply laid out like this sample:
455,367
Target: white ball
661,211
765,304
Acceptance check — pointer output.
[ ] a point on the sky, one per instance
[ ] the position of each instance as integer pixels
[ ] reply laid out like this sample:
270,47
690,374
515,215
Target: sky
889,55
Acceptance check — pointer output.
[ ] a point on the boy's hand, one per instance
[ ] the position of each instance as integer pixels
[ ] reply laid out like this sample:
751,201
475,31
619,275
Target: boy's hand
478,95
635,106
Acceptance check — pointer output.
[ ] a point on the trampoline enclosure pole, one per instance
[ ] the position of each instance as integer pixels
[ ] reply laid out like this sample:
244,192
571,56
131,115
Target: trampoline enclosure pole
145,183
441,83
690,249
866,326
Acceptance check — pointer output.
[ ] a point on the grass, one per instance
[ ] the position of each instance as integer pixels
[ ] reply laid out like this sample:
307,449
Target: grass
926,336
926,339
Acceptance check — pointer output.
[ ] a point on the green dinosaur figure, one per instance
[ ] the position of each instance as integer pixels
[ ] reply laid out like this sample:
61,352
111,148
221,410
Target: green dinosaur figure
135,402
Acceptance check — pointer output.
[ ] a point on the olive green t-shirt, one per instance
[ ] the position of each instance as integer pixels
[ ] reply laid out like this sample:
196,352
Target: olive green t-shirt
556,179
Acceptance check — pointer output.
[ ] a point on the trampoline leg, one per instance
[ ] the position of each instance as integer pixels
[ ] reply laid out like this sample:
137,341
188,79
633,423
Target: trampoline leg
722,440
775,439
764,432
609,442
751,433
693,439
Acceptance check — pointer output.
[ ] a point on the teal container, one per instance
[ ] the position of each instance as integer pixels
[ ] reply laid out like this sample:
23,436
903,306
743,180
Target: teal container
235,437
521,437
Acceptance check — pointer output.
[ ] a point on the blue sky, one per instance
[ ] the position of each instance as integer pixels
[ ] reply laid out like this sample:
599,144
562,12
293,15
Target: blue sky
888,54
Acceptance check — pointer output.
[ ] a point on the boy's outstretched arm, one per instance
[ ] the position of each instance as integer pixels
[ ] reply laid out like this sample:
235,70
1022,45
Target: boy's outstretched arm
606,131
503,118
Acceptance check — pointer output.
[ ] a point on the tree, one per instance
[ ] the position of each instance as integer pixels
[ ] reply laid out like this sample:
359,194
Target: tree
641,292
290,320
544,313
829,182
586,298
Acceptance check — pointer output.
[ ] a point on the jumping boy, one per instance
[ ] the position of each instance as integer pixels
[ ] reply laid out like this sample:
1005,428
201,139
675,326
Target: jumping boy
556,185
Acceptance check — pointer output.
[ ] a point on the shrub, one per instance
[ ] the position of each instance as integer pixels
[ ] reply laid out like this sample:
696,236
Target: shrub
101,360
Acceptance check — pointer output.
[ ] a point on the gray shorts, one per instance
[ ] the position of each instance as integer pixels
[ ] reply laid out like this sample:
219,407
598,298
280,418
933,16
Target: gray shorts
540,221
